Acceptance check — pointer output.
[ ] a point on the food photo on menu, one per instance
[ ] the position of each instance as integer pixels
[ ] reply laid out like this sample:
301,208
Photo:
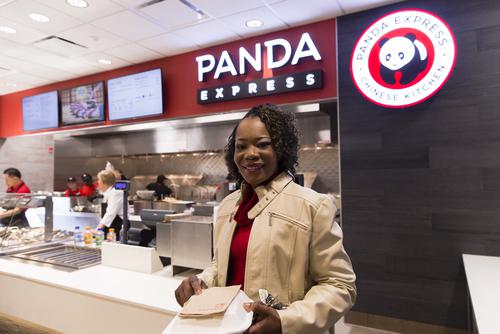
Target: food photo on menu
83,104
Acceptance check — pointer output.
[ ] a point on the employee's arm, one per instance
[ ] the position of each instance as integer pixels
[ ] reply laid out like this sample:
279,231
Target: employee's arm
115,206
10,213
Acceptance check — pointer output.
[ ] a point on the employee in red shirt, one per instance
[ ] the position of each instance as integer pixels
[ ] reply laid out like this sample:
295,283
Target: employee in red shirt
15,185
88,188
71,187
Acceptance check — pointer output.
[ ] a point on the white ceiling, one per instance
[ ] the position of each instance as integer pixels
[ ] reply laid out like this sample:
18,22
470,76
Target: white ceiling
134,31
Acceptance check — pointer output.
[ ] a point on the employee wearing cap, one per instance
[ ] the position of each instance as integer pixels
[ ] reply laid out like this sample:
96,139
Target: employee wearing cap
160,188
15,185
71,187
88,188
113,199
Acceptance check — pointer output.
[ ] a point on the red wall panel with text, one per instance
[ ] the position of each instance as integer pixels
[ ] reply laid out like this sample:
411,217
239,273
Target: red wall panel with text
180,83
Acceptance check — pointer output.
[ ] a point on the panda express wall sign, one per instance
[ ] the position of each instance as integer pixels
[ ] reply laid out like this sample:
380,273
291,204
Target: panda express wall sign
275,53
403,58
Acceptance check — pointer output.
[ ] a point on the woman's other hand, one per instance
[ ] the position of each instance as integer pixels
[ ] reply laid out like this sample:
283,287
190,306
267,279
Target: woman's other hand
266,320
189,286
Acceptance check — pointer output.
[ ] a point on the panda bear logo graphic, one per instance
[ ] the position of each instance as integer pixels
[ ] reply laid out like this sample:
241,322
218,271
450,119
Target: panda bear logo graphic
403,58
403,54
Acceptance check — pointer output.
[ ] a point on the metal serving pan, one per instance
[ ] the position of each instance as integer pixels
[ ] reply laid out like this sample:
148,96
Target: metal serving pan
67,256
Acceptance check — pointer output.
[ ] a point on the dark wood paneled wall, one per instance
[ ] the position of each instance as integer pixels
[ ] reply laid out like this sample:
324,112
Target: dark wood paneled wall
420,186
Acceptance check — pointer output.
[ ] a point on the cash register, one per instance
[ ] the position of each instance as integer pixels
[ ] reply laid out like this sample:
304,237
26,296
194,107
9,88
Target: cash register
145,234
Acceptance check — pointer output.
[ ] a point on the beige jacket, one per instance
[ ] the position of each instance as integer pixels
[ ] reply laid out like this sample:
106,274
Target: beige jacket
295,252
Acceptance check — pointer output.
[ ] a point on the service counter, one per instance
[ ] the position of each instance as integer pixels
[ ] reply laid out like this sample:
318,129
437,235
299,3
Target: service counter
63,220
101,299
98,299
483,277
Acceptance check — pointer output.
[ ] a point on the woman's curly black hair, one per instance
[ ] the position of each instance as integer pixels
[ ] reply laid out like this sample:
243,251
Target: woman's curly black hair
281,125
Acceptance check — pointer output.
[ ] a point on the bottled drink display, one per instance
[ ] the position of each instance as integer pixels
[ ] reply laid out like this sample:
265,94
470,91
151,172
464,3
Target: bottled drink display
99,238
78,236
111,235
88,236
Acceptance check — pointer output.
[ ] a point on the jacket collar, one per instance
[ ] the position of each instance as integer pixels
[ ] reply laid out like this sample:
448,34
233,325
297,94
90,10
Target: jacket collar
267,193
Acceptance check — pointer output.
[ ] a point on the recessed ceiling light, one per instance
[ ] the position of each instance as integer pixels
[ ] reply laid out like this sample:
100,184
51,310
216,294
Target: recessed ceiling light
254,23
104,61
7,30
39,17
78,3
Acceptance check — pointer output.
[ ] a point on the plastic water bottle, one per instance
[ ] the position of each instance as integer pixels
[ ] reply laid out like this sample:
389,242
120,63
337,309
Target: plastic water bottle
111,235
78,236
99,238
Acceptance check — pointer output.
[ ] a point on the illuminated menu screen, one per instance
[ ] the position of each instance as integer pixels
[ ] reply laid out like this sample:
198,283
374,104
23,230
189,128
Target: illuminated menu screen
136,95
40,111
83,104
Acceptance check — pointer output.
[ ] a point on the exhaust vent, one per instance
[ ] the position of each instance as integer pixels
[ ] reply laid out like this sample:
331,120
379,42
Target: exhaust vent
4,71
61,46
5,2
200,13
149,3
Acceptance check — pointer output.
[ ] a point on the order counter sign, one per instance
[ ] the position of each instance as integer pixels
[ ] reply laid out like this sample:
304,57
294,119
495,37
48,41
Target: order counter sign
403,58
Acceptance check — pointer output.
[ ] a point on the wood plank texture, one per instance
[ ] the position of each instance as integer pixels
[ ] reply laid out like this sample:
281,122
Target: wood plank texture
420,186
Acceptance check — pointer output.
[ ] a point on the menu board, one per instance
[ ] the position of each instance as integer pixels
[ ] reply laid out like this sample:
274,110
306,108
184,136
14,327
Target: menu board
136,95
83,104
40,111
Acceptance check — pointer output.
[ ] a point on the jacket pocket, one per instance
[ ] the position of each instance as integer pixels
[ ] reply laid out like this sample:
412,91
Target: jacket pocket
289,220
288,256
284,231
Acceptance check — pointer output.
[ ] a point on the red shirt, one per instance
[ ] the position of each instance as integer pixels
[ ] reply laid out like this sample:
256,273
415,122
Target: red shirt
70,192
239,244
87,191
21,188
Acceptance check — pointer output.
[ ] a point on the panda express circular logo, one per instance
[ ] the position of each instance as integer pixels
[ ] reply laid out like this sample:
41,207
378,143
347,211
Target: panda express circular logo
403,58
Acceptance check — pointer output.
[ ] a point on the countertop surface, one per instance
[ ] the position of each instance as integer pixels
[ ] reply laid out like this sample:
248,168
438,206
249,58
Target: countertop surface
194,219
483,279
152,291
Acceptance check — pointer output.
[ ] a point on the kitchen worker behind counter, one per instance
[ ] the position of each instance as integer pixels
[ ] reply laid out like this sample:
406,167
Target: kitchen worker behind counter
15,185
113,203
88,188
71,187
160,188
276,235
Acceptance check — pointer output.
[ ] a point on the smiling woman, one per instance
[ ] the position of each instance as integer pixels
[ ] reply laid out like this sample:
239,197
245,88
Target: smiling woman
262,145
276,235
254,154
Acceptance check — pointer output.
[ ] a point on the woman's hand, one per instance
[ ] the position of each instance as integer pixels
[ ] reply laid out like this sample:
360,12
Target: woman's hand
266,320
189,286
